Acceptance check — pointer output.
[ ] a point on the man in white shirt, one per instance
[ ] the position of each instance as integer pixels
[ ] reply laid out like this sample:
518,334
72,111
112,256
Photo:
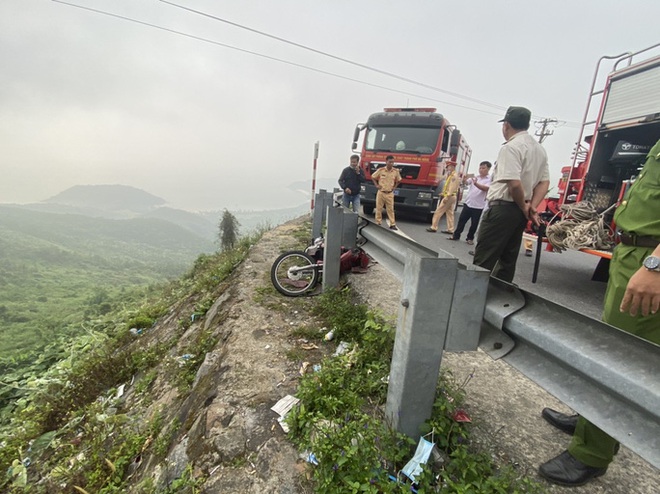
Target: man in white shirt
474,203
520,182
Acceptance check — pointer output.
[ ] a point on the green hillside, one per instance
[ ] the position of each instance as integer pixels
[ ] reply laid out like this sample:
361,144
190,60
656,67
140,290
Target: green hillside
56,269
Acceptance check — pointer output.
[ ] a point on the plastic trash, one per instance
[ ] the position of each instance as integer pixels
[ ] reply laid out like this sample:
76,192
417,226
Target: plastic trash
414,467
329,336
342,348
183,359
311,458
461,415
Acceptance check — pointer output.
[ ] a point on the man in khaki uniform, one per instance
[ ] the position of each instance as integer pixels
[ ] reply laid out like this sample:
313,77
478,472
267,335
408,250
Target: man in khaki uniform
448,201
386,180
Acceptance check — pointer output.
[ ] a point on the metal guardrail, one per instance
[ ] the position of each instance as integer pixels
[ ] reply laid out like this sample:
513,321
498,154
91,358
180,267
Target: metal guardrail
605,374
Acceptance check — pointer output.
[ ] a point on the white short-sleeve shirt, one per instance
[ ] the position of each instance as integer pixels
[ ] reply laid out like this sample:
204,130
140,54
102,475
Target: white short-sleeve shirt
520,158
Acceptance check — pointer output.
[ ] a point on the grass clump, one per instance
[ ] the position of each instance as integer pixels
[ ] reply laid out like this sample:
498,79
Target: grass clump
341,419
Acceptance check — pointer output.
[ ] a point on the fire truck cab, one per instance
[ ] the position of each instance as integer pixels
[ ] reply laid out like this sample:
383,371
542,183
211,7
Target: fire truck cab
421,142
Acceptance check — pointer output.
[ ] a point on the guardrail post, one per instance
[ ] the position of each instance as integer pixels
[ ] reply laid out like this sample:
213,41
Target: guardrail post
426,299
332,249
319,213
349,230
467,309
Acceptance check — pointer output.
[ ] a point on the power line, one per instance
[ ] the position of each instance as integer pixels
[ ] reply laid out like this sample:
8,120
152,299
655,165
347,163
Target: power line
335,57
287,62
224,45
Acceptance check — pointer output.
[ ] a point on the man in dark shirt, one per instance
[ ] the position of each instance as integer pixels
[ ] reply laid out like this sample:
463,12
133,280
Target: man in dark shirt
349,181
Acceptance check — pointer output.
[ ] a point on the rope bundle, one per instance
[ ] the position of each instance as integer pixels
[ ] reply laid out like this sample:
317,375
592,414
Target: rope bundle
582,228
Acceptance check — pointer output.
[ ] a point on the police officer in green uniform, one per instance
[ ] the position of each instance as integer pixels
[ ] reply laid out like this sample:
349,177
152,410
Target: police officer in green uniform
632,303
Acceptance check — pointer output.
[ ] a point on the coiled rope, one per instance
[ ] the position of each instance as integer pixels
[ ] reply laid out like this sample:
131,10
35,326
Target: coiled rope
582,228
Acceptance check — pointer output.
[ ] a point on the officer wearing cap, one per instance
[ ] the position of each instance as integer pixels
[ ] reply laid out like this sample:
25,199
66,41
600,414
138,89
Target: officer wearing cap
632,303
520,182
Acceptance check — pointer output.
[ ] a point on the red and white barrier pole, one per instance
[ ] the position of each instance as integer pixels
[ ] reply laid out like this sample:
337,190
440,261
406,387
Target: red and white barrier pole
316,156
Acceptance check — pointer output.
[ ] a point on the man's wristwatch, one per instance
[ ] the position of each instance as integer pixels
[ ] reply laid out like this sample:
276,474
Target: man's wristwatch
652,263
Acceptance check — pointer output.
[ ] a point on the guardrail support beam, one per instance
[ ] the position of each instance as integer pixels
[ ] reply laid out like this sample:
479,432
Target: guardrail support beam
332,249
428,288
323,199
349,229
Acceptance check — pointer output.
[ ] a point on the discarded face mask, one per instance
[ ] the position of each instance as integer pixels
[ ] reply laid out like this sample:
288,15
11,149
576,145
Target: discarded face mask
414,467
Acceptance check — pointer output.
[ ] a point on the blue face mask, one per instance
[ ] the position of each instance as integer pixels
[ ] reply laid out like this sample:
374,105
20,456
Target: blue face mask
414,467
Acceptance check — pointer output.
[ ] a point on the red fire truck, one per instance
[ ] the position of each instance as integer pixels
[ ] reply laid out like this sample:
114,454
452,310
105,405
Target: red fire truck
612,146
421,142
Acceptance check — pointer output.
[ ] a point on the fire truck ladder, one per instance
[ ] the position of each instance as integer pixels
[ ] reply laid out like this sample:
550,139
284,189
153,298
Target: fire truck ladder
581,150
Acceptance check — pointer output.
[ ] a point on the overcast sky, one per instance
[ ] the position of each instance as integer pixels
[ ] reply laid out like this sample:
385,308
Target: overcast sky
86,98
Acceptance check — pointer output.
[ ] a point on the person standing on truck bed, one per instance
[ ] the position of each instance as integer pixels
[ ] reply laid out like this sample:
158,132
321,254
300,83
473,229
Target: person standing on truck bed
350,179
386,180
520,182
448,202
632,303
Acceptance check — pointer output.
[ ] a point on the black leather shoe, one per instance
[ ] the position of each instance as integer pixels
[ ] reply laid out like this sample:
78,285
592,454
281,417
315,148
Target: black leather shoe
563,422
569,471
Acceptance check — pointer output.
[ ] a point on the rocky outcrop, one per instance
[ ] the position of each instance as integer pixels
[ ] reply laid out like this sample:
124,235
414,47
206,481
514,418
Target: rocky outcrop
225,429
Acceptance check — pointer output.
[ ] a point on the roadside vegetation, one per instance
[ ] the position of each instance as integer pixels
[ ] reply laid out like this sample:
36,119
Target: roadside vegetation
341,421
62,425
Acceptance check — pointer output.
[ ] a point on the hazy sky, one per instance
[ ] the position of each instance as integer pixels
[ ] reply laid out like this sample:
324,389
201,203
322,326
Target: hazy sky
86,98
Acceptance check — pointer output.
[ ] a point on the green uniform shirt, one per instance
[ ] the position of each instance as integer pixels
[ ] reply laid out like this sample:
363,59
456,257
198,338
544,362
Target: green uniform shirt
639,212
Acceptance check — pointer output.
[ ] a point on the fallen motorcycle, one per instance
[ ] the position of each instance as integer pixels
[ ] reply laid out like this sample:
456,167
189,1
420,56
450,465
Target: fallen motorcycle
296,272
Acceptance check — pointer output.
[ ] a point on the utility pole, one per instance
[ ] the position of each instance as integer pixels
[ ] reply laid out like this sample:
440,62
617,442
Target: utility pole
544,129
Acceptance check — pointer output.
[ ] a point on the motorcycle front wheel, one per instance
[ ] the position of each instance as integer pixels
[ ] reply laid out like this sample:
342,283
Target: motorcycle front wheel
294,273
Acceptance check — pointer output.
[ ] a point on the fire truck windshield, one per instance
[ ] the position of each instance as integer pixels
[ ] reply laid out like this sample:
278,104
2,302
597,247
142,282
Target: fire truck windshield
416,140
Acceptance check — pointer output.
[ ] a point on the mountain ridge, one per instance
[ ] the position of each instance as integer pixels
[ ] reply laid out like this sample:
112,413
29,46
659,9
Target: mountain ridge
123,202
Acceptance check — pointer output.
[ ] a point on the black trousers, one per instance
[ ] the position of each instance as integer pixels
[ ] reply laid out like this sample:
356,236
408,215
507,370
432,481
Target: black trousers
468,213
500,236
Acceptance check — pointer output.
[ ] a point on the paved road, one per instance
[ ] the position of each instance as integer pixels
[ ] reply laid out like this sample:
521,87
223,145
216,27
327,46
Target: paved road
563,278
